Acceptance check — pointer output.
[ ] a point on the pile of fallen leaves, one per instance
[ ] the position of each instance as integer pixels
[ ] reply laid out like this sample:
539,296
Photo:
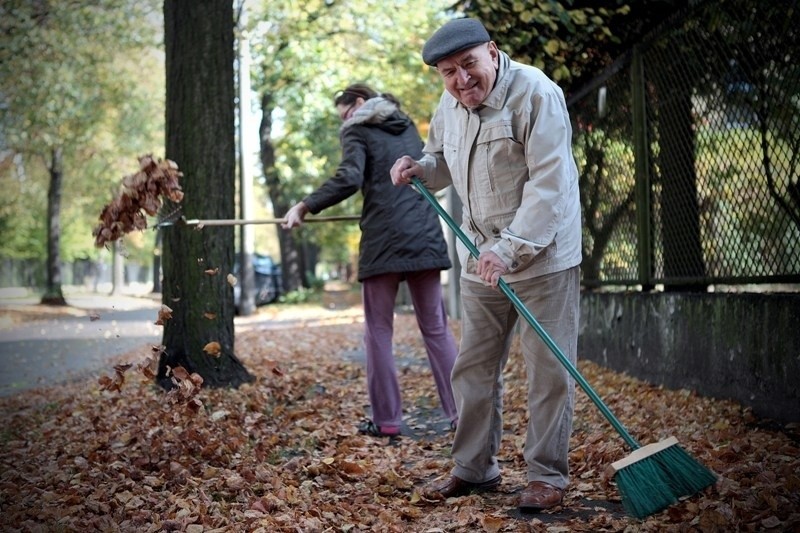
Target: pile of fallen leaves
141,195
282,453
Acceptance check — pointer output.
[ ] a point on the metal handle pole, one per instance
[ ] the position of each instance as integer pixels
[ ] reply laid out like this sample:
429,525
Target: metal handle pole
236,222
528,316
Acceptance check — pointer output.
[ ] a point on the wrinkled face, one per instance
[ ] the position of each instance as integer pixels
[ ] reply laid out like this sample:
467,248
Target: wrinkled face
469,75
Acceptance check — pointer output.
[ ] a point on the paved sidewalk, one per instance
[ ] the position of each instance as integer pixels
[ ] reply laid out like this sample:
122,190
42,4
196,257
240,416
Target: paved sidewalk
71,346
82,339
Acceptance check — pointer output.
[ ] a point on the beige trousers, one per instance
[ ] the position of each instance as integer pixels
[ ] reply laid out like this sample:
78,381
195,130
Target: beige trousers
488,326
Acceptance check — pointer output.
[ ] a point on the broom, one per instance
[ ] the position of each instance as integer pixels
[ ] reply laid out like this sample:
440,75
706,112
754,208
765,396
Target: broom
651,478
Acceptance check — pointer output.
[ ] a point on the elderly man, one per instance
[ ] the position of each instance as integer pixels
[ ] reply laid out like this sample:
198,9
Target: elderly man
501,136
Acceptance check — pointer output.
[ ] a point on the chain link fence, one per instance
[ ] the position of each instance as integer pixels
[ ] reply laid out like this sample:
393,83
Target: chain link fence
688,151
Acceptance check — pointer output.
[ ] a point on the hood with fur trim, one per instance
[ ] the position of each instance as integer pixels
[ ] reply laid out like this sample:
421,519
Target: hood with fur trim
400,231
381,113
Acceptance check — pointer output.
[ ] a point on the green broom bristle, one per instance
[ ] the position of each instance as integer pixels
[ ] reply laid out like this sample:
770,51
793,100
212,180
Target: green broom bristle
643,488
687,475
659,480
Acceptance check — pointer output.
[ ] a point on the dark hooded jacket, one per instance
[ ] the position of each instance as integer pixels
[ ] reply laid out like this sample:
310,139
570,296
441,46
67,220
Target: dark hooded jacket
400,231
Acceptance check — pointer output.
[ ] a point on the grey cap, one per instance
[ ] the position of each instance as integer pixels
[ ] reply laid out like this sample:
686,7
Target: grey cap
454,36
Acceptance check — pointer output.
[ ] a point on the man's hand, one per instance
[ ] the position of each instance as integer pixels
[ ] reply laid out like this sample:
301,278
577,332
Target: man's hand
490,268
404,169
294,216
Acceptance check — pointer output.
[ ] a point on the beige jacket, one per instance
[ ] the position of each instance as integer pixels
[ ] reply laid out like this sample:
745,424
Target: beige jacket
511,163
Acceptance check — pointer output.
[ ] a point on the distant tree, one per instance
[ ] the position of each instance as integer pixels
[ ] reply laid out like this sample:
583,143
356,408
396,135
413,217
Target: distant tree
199,336
768,87
303,53
573,41
67,97
570,40
555,35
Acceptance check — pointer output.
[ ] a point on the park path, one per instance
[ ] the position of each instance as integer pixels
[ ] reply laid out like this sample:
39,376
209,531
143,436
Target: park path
83,339
86,342
70,346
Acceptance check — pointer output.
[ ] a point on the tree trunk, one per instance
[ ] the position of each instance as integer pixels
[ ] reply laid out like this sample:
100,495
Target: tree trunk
684,266
53,294
293,267
200,139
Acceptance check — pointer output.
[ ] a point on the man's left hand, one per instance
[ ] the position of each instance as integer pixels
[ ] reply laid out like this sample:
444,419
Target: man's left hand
490,268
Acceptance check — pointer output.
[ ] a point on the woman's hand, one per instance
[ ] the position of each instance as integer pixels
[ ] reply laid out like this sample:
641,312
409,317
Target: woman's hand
294,216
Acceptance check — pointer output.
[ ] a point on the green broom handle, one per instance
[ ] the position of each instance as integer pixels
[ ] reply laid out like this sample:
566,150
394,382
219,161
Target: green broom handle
509,292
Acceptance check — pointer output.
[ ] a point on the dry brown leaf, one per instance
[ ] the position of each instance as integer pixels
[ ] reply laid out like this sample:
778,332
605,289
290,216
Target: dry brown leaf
256,457
141,195
178,372
164,314
115,383
213,349
149,367
492,524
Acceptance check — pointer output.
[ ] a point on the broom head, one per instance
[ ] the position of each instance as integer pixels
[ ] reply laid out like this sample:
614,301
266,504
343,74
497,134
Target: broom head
656,476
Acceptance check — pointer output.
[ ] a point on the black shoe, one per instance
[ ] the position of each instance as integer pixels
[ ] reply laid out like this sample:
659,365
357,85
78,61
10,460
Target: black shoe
368,427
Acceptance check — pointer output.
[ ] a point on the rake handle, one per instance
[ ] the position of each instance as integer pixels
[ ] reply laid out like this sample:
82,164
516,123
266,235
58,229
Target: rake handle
528,316
237,222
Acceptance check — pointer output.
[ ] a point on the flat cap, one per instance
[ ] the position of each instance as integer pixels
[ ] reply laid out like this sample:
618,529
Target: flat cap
454,36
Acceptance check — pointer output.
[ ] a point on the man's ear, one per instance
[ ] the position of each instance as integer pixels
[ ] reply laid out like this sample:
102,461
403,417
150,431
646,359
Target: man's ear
494,53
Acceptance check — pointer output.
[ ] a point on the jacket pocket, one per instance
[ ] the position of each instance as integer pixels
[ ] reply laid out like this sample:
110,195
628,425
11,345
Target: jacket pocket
499,159
450,148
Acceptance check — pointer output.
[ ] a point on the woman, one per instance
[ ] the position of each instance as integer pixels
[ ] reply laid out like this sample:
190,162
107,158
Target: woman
373,135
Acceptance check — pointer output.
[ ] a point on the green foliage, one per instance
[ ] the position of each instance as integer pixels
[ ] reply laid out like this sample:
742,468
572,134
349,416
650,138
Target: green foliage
300,296
86,78
22,224
755,228
306,51
565,40
315,283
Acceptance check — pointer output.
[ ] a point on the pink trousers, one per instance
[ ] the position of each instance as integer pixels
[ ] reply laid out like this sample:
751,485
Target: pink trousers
379,294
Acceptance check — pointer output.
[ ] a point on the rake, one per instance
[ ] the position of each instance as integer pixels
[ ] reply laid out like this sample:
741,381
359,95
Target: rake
652,477
237,222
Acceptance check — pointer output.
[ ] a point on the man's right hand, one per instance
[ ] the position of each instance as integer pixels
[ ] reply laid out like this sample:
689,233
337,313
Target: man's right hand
404,169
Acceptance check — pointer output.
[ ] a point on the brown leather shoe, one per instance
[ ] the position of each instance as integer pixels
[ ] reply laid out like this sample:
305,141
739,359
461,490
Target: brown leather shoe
453,486
538,496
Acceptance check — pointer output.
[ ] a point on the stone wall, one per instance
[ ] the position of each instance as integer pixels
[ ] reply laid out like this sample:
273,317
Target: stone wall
742,347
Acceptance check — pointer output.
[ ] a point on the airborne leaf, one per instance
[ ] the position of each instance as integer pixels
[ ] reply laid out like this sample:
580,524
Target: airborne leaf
164,314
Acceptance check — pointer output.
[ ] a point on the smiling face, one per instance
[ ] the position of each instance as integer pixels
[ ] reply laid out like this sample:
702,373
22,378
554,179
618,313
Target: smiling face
469,75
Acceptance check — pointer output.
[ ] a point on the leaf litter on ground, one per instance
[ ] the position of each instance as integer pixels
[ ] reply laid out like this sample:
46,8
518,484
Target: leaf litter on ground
283,454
